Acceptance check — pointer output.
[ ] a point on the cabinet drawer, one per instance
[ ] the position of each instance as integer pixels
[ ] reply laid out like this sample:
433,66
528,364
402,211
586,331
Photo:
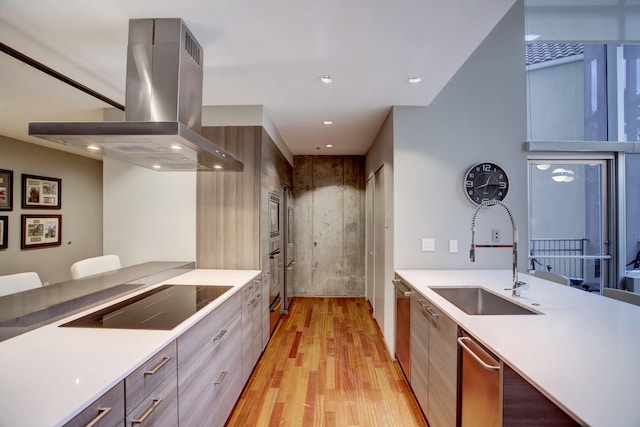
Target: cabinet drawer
107,411
192,340
227,384
148,376
159,407
197,374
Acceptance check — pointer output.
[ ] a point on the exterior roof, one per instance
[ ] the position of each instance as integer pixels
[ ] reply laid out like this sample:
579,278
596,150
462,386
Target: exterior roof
537,53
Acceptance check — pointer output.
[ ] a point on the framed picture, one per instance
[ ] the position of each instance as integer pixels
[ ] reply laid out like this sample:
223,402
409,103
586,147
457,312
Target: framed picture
4,229
40,231
40,192
6,190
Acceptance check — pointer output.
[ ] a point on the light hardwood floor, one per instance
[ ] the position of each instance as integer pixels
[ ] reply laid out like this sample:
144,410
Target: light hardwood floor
327,365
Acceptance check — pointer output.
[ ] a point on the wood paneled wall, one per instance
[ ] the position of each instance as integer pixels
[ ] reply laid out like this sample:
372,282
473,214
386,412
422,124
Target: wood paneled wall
228,203
329,194
232,207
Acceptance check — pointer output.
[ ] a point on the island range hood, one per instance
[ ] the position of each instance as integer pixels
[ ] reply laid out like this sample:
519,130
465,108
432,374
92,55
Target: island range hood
163,106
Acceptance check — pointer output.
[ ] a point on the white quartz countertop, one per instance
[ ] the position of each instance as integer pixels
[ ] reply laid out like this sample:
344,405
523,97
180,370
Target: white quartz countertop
50,374
582,351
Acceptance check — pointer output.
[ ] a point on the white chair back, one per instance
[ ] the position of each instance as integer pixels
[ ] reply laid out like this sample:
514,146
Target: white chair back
626,296
95,265
13,283
553,277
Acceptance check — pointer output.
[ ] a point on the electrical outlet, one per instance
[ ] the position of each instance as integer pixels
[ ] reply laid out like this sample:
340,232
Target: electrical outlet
453,246
495,235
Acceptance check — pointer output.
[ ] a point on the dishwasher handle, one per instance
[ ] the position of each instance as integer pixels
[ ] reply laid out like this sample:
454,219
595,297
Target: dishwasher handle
462,341
406,291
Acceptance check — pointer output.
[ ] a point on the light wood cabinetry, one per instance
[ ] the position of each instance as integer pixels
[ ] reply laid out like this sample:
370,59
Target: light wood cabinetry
434,361
237,202
197,378
252,325
151,392
107,411
209,369
266,329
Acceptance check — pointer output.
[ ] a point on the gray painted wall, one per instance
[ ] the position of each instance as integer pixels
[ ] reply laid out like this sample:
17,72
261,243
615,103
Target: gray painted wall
381,154
81,209
479,116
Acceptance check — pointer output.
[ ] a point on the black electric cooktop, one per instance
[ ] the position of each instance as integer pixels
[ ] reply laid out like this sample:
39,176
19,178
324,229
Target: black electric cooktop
161,308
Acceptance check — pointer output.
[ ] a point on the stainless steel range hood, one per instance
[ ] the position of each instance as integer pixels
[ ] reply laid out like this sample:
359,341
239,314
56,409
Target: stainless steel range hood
163,106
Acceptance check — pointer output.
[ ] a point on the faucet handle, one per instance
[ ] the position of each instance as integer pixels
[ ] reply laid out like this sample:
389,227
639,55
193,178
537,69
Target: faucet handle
517,287
521,285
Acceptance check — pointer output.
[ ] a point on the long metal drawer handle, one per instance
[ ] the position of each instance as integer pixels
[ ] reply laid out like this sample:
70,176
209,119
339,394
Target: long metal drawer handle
220,335
220,378
159,366
461,341
426,307
148,412
277,307
102,412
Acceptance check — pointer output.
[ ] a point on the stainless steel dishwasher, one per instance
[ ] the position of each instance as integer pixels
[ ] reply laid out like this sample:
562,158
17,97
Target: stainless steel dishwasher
403,326
480,385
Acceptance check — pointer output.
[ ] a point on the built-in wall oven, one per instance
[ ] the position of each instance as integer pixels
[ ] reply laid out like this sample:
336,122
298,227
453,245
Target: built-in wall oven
275,287
276,273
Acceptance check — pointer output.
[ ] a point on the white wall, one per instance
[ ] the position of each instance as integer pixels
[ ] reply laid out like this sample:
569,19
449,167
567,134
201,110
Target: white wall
148,215
479,116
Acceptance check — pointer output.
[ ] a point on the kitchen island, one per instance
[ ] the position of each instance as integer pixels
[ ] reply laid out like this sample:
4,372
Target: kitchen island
49,374
579,351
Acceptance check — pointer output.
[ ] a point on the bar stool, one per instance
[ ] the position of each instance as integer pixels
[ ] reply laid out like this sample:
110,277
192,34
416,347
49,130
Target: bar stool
95,265
13,283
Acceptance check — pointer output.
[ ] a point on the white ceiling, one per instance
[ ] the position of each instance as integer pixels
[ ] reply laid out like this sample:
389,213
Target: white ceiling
256,52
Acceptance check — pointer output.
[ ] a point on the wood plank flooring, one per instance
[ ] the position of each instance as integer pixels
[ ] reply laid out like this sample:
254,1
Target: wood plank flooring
327,365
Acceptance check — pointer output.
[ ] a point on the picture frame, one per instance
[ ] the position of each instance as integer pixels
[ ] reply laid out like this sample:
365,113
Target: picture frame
41,192
4,232
6,190
39,231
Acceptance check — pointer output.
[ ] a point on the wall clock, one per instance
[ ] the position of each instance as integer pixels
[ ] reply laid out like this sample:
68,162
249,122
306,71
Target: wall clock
485,181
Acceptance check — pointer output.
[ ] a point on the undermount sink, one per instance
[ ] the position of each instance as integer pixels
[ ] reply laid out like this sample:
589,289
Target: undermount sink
479,301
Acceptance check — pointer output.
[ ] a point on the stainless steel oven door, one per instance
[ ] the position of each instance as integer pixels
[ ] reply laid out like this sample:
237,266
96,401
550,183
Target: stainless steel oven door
274,272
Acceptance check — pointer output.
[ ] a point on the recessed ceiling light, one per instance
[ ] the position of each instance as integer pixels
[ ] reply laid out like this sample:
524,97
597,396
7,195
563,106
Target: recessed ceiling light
93,147
176,147
329,145
328,122
156,166
217,167
326,79
414,80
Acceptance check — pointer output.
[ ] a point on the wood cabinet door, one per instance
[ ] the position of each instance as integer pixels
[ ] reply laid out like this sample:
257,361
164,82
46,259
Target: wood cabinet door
443,370
107,411
419,353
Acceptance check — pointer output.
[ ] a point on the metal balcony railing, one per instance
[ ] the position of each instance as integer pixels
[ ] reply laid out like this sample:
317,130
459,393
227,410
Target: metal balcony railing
561,256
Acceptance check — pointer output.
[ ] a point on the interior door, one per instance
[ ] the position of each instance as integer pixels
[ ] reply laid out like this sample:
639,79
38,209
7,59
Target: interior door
379,247
369,212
